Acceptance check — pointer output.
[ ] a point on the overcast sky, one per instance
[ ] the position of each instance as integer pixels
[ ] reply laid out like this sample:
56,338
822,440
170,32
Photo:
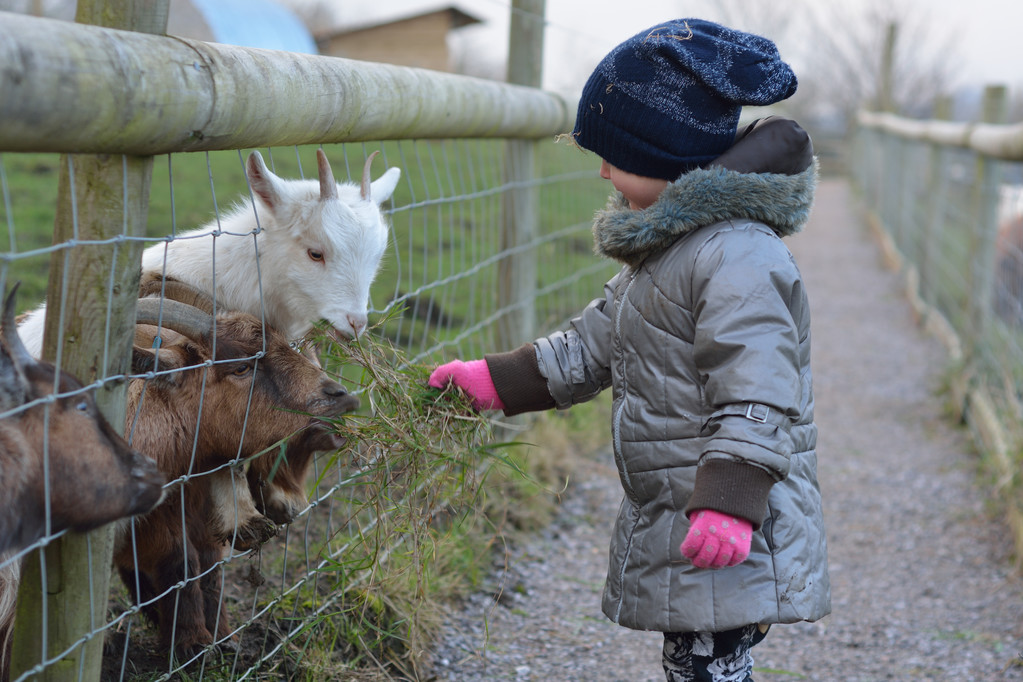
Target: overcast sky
986,33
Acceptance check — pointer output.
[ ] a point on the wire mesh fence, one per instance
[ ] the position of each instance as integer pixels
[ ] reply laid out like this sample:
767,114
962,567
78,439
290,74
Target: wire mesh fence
378,508
950,197
954,215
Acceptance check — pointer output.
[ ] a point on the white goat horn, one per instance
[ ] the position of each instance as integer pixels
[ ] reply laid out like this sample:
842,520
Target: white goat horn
328,188
365,176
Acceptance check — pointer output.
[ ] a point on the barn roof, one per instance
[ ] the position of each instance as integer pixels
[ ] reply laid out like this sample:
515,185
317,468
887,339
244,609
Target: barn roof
253,23
457,18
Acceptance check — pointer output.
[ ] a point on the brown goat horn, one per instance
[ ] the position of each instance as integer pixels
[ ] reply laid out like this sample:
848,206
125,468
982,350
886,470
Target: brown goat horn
328,188
175,290
364,189
177,316
9,333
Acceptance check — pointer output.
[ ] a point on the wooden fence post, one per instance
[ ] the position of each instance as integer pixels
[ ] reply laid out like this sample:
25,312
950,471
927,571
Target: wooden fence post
936,210
984,205
65,586
889,191
517,275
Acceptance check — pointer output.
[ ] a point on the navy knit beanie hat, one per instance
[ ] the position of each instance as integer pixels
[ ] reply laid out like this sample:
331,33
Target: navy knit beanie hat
668,99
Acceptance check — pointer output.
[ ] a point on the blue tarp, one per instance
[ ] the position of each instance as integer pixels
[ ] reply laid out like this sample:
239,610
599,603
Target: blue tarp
256,23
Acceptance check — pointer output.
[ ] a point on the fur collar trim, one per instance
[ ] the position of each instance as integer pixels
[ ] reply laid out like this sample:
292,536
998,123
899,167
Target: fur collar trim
703,197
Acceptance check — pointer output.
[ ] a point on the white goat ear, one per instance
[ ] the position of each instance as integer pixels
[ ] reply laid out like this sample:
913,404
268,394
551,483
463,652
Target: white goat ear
264,184
382,188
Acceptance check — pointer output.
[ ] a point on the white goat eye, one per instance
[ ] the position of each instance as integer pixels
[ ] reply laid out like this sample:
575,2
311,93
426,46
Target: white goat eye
82,406
315,255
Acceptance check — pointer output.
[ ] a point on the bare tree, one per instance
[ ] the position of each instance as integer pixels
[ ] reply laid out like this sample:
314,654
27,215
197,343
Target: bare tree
877,54
887,56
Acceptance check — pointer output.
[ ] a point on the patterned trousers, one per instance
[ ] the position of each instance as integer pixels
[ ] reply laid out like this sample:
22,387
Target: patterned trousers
711,656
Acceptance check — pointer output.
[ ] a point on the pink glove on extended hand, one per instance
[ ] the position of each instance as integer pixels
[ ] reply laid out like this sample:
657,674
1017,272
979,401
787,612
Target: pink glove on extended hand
473,377
716,540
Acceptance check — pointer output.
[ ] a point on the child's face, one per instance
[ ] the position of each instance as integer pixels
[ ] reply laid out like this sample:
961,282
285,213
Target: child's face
638,190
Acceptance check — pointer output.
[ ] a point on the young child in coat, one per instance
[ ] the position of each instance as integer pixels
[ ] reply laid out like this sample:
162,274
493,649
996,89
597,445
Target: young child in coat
704,339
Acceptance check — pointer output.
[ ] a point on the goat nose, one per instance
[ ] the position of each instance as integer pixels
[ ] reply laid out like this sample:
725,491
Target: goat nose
334,389
358,323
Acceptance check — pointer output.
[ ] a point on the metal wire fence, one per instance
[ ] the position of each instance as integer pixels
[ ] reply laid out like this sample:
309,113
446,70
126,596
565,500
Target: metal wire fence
954,215
435,296
489,244
950,198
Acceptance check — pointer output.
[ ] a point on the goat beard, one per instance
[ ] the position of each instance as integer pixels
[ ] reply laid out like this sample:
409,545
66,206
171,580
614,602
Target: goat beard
317,436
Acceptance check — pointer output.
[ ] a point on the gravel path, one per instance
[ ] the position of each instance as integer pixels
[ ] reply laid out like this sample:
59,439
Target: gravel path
922,586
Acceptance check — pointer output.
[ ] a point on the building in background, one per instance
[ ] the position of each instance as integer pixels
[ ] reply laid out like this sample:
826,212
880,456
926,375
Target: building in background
423,39
420,40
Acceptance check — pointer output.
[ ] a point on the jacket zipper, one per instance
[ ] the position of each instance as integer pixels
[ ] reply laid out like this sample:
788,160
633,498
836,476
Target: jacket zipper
616,435
616,441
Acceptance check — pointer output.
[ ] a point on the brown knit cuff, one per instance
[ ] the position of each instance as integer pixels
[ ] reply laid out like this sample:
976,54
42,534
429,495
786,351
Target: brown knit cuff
518,381
731,488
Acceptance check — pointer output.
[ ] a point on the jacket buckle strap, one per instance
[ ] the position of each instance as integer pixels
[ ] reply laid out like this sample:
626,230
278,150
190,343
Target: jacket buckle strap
757,412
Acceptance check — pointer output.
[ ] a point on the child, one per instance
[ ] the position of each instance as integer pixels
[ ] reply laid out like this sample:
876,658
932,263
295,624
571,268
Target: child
704,338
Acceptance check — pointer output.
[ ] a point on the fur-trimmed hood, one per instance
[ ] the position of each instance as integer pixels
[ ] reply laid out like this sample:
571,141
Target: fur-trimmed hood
703,197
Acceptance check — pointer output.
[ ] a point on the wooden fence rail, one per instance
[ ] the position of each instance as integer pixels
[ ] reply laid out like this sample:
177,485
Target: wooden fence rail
996,141
77,88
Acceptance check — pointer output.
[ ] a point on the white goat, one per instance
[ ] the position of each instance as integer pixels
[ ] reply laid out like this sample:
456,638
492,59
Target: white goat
319,247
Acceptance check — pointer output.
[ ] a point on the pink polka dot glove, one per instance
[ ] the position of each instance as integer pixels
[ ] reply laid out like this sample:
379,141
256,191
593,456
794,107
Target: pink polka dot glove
473,377
716,540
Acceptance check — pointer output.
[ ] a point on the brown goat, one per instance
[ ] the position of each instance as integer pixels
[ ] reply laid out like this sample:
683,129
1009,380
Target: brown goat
203,413
277,485
62,466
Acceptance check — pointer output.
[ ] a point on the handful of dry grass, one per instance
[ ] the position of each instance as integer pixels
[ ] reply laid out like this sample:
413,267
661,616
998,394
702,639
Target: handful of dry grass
401,416
407,513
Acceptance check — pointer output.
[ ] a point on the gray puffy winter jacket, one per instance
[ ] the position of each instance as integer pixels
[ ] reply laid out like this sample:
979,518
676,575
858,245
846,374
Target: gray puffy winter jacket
704,338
